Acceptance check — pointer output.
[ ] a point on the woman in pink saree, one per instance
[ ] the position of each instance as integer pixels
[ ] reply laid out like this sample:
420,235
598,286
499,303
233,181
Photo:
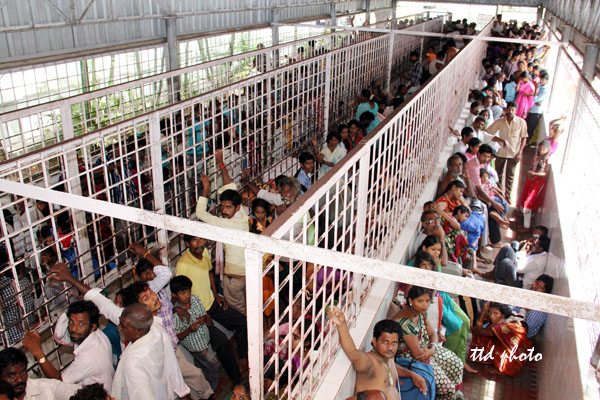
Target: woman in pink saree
526,91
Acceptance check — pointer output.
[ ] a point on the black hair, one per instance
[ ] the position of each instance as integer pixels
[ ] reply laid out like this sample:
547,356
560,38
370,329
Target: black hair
548,282
131,294
461,209
483,171
7,390
457,183
474,104
366,93
95,391
367,116
511,104
414,54
231,195
143,265
245,383
11,356
466,131
524,75
341,127
305,156
423,256
426,213
461,155
188,238
542,228
474,142
428,203
355,123
429,241
544,242
486,148
417,291
479,118
386,326
504,309
180,283
84,306
332,135
544,75
261,203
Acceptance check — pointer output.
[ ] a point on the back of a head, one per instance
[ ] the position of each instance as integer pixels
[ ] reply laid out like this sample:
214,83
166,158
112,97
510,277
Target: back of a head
95,391
139,316
366,93
544,242
367,116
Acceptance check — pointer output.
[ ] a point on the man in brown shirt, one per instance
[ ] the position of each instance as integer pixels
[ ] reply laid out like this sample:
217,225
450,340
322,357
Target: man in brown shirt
513,130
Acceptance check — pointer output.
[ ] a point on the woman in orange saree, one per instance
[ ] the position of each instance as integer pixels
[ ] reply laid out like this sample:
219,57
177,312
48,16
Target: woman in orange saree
502,342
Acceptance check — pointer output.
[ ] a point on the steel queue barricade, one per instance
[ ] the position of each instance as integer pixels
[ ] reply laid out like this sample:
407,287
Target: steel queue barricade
359,207
39,126
154,162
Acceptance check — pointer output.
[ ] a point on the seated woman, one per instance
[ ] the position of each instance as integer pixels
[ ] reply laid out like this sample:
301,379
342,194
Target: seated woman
330,154
419,346
454,319
499,331
473,147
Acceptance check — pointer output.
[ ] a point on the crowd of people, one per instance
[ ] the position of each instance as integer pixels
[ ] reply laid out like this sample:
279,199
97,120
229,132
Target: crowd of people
431,337
170,332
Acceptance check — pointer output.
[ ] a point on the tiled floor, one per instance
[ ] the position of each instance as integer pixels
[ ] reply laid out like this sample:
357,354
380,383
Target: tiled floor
488,383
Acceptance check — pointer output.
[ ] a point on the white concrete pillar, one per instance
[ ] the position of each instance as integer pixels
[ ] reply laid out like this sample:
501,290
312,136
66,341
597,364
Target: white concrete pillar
590,61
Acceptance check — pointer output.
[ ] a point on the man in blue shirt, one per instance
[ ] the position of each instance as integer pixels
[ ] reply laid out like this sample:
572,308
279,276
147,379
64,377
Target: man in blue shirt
304,174
539,104
535,319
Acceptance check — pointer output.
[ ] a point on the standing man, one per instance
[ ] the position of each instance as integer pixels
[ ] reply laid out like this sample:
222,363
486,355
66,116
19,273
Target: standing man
376,369
539,105
234,217
513,130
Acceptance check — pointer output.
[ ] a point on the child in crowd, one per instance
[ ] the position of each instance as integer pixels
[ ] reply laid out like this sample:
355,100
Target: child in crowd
495,193
193,333
510,89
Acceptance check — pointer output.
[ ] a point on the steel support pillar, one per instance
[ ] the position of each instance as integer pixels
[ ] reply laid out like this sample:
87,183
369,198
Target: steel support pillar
172,58
590,61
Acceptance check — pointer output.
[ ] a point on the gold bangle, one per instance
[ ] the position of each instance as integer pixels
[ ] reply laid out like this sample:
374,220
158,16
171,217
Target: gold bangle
42,360
146,253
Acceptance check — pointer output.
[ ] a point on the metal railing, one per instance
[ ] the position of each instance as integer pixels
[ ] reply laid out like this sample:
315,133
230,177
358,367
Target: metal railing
360,206
154,161
31,128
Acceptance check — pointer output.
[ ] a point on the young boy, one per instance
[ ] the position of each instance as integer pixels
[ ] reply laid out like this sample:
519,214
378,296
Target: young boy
193,333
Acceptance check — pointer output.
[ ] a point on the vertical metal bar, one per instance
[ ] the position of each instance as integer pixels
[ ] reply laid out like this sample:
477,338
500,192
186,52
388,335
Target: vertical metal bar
388,78
158,187
173,57
326,100
72,177
254,307
590,60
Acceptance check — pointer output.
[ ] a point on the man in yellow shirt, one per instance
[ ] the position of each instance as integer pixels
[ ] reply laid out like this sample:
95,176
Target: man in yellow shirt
195,264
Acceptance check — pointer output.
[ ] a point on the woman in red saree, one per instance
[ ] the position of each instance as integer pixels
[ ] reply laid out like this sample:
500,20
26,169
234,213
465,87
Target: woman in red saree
501,341
532,195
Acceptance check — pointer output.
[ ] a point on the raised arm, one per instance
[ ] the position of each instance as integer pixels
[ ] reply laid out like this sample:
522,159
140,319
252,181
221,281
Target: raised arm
359,359
222,167
33,343
107,308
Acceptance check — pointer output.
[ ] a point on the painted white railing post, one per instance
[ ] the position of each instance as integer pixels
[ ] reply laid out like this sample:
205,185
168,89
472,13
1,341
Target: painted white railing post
254,307
388,78
327,97
158,186
361,221
72,179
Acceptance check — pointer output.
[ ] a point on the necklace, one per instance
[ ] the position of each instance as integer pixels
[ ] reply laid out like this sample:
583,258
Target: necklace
387,366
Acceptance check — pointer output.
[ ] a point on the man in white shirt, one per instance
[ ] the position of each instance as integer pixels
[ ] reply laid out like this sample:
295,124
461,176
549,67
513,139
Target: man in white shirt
486,138
473,113
93,352
148,368
13,370
462,145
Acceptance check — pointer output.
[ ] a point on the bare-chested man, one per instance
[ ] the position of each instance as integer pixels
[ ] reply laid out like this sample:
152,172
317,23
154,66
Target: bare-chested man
375,370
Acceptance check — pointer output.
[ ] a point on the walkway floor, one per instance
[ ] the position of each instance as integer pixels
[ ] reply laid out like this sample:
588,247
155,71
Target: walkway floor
488,383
